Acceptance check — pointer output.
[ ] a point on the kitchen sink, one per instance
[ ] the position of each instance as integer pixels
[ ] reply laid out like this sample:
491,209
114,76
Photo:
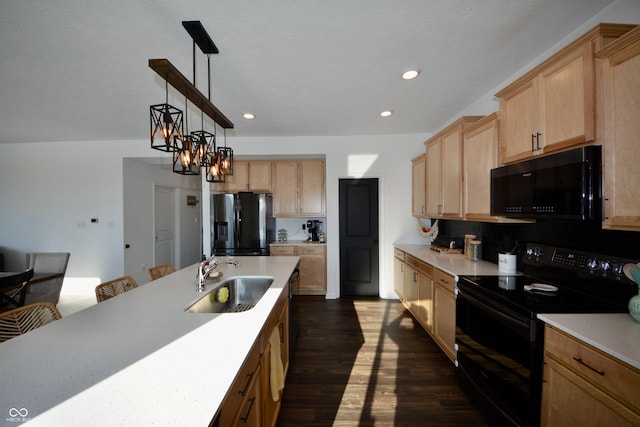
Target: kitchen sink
234,295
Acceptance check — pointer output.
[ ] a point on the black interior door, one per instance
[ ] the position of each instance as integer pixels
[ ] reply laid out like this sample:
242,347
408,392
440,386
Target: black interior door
359,261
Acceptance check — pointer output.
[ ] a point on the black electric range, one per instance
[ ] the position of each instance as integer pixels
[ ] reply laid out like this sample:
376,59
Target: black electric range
499,340
571,282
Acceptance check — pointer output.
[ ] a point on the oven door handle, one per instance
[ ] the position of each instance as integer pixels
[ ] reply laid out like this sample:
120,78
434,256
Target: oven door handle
525,325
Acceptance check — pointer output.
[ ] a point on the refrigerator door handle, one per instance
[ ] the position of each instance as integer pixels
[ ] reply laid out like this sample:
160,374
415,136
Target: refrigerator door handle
237,220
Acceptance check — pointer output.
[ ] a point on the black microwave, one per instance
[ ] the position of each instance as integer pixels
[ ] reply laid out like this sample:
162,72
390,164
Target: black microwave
566,185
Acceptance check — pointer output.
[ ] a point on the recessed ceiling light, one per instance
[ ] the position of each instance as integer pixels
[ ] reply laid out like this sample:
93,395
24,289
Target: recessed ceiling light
410,74
386,113
249,116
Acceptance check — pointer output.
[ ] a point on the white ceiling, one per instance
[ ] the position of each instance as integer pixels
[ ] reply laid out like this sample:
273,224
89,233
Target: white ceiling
78,69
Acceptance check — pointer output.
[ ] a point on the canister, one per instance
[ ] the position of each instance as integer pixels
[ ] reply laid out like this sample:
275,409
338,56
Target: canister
467,246
475,249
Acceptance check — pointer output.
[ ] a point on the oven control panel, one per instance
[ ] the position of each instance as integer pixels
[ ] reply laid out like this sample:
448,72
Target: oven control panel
597,265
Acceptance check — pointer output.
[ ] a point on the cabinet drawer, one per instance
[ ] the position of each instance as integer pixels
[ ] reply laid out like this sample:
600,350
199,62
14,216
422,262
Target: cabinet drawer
445,280
617,378
282,250
310,249
422,267
398,253
240,388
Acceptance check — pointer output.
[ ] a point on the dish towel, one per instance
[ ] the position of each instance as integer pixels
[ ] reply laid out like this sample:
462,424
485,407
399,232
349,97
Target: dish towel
277,371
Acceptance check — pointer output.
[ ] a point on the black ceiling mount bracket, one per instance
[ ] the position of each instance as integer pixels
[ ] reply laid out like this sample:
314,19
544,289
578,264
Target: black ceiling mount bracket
200,37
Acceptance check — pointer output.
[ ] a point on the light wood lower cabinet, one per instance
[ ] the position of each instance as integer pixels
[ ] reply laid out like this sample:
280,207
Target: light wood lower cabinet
429,295
398,274
313,266
444,302
584,387
241,398
249,401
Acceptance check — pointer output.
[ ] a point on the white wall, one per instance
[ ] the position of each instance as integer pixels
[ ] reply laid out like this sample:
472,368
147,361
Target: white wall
139,183
56,188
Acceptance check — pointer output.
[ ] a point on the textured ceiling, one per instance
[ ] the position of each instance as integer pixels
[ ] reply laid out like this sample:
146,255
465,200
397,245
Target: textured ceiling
77,69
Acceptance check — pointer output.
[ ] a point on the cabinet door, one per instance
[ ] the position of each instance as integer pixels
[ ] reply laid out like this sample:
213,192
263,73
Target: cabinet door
285,189
434,162
311,188
569,400
621,147
452,173
259,179
425,301
566,101
239,181
250,413
418,169
411,289
480,156
444,303
519,122
313,270
398,278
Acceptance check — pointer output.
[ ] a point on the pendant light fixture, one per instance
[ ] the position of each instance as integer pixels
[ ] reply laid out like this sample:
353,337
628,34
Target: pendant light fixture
205,144
197,149
214,168
226,157
183,158
166,123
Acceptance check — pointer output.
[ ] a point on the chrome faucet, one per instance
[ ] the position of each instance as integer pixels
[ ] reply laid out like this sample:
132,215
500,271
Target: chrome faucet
204,270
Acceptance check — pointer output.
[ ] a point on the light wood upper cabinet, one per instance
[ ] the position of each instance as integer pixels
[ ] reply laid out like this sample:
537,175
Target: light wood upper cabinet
620,66
552,107
299,188
480,156
312,188
444,170
418,171
249,175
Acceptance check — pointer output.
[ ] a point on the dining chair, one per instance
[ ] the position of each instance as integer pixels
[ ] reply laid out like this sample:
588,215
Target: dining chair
13,289
47,262
24,319
114,287
159,271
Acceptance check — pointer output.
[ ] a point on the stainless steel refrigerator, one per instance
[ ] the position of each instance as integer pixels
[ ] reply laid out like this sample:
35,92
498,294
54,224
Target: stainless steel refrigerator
242,224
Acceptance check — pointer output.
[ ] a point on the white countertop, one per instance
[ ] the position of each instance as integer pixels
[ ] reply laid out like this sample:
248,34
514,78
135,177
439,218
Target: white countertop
454,264
139,358
615,334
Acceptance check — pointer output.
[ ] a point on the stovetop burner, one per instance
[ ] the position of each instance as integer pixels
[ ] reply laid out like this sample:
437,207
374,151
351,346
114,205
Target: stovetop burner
559,280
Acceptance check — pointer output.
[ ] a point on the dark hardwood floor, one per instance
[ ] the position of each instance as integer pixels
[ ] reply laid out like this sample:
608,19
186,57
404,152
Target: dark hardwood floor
366,362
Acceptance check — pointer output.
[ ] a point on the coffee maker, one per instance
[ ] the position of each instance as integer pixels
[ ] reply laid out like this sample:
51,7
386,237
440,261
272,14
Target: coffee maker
313,227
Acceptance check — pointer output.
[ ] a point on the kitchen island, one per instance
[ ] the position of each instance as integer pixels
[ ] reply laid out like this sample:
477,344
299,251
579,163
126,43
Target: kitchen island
138,358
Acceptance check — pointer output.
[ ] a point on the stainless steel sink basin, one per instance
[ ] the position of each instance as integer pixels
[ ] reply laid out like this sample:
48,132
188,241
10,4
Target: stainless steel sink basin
232,296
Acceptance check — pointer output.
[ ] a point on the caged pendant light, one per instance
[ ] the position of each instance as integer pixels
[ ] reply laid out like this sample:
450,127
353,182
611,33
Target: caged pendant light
166,123
214,168
183,158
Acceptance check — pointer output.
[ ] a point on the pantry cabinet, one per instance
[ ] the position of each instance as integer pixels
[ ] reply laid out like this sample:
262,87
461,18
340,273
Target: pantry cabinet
619,64
251,175
444,171
418,172
552,107
299,188
583,386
